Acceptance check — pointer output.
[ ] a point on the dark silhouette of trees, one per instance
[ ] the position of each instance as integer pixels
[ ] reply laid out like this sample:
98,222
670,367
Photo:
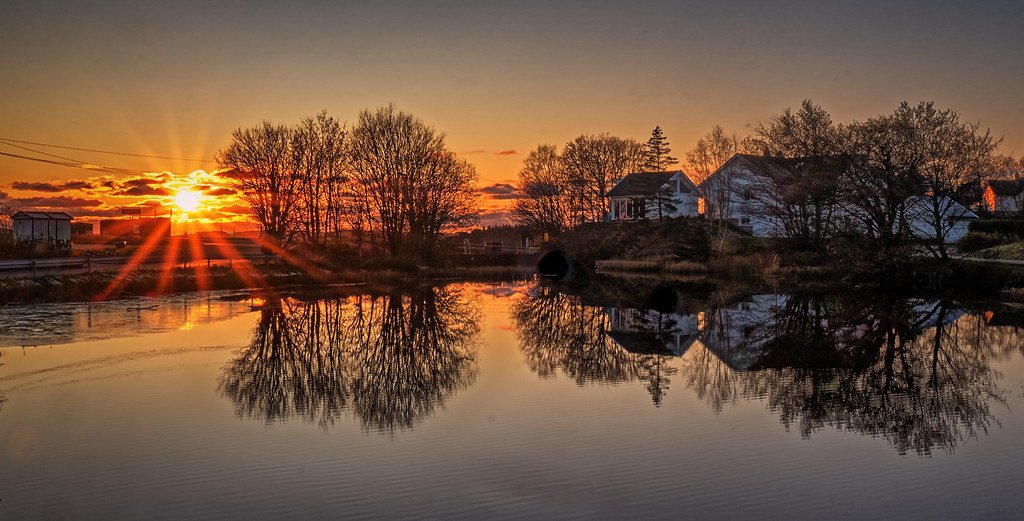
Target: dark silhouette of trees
320,147
916,151
266,172
593,165
808,132
656,152
558,332
416,189
908,372
710,152
389,361
545,203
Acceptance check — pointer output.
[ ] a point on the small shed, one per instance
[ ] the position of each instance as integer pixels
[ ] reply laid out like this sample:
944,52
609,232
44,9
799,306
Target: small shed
48,227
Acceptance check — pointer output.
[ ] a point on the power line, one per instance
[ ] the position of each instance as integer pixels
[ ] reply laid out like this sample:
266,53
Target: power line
83,166
105,151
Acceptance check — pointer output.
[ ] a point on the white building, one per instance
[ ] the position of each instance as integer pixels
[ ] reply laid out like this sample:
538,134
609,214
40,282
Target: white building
740,190
650,195
955,219
1004,196
48,227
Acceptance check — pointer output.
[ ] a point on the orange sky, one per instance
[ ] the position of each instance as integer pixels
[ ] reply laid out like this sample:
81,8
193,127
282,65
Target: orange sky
169,79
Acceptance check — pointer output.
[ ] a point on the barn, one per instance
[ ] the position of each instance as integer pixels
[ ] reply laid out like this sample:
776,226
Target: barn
46,227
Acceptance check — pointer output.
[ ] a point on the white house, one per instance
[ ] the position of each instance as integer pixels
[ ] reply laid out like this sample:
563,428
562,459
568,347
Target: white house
650,195
49,227
1004,196
920,214
737,191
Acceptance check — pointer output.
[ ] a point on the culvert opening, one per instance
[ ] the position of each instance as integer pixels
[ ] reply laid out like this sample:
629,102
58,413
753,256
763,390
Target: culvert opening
554,266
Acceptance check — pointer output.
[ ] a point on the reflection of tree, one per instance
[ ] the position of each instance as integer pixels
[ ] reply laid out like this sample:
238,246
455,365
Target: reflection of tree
557,331
388,360
903,371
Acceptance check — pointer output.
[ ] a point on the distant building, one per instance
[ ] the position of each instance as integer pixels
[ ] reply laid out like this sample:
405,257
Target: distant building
650,195
1004,196
81,229
42,227
136,228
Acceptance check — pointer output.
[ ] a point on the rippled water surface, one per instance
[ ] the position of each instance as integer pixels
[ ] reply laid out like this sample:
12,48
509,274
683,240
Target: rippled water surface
512,401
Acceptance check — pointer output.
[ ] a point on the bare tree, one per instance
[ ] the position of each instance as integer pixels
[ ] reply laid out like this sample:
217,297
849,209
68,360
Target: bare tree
416,189
319,146
266,173
594,164
808,132
915,151
544,204
710,153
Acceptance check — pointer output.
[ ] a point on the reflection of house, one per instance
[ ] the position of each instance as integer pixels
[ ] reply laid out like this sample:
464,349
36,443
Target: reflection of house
651,332
139,227
649,195
736,333
49,227
1003,196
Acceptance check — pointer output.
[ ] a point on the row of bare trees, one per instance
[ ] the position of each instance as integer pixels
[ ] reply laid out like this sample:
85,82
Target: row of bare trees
390,180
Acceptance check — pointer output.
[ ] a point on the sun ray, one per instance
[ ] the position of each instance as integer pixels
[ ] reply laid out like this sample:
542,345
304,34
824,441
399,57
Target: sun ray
132,264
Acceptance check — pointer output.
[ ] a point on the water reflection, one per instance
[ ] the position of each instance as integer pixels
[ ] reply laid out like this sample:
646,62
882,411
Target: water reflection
48,324
600,345
916,373
390,361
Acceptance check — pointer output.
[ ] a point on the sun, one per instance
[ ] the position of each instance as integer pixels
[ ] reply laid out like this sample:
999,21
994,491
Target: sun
187,200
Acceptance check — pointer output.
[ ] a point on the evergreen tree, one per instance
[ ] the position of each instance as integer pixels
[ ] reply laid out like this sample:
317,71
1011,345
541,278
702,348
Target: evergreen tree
656,152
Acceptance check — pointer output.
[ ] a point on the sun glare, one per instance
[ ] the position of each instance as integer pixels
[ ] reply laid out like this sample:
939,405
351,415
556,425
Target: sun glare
187,200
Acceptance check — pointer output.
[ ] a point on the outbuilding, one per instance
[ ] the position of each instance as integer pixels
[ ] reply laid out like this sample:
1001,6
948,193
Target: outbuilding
42,227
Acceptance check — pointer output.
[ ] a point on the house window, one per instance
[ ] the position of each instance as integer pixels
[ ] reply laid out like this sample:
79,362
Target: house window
748,195
744,220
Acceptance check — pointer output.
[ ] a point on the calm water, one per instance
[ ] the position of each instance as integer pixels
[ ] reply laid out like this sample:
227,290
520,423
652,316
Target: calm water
512,401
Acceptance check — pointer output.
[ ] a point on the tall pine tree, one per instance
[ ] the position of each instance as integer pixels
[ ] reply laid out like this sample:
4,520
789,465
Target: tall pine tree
656,152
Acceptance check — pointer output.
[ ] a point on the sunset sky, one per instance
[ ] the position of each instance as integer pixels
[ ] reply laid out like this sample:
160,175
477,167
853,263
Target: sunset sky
173,79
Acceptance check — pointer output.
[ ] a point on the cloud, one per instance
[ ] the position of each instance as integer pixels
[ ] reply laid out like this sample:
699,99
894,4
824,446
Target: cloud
141,190
60,201
236,209
221,192
473,152
142,181
52,187
3,195
500,191
509,152
496,218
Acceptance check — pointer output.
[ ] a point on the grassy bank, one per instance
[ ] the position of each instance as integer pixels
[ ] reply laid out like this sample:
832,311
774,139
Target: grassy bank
110,285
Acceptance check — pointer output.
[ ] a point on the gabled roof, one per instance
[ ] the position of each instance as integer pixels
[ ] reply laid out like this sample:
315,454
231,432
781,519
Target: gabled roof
648,183
1006,187
60,216
920,207
777,168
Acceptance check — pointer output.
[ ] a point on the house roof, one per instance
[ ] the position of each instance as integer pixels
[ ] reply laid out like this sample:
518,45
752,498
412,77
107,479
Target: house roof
1006,187
920,207
647,183
60,216
777,168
